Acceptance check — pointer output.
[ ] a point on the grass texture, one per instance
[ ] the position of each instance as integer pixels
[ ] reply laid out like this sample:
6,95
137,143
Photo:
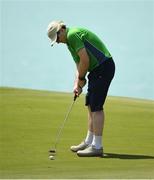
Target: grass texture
29,121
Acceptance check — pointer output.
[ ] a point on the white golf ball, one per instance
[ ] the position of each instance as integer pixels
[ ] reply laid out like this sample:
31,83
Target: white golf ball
51,157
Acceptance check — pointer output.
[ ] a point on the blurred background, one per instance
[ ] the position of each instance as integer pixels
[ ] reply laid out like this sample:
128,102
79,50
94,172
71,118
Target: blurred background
28,61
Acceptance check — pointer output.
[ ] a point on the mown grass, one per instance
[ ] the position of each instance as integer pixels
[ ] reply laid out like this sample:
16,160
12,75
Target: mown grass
29,121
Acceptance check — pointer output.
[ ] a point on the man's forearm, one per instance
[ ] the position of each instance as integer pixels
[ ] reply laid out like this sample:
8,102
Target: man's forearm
82,68
76,78
82,71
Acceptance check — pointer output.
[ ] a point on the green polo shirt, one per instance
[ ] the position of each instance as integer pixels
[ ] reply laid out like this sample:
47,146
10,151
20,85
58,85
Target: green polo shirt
78,38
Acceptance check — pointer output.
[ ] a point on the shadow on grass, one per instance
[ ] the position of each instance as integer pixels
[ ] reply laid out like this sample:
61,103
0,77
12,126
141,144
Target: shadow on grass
126,156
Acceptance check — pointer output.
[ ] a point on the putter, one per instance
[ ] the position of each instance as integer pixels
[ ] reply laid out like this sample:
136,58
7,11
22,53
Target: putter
53,151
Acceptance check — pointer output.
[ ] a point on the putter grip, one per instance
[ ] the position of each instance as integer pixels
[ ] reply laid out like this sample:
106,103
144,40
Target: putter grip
75,96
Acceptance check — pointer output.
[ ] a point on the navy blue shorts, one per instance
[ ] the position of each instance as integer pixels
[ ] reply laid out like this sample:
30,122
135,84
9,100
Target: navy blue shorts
98,85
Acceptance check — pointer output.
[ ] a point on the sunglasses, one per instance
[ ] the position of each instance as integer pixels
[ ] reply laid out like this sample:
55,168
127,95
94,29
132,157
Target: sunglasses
58,36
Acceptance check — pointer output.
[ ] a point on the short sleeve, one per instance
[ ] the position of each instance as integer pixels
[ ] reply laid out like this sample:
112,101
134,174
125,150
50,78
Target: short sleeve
76,42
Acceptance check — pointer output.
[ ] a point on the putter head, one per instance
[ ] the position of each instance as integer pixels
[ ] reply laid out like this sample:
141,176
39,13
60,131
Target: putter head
52,151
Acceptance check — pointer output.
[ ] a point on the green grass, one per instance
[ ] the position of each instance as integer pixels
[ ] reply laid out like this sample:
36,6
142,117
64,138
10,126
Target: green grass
29,121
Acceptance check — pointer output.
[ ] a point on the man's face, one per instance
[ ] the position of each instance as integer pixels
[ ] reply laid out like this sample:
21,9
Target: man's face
61,36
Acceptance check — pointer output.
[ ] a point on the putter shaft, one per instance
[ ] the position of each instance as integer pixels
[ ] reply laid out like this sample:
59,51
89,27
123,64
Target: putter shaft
63,124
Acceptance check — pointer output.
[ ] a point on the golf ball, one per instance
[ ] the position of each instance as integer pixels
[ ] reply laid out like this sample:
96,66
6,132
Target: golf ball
51,157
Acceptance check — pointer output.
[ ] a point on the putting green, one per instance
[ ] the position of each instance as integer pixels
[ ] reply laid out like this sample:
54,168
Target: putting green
29,121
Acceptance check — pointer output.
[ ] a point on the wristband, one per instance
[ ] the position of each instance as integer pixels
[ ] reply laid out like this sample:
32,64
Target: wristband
82,78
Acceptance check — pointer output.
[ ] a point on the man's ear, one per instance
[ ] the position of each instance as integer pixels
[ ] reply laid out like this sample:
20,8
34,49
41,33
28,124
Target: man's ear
63,30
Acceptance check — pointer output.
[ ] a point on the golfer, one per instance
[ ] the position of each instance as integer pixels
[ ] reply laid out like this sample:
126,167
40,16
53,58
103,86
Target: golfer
91,57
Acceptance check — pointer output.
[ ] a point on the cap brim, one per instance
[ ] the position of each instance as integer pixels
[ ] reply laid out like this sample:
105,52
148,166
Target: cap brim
53,40
52,43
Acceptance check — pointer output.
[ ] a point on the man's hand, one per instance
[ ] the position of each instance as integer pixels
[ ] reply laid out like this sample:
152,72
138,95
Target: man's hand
78,87
77,91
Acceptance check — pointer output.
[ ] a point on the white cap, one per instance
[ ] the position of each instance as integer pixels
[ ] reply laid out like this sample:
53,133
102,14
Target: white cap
52,30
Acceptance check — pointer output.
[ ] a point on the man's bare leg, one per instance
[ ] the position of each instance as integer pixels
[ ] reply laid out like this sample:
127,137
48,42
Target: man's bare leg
98,125
89,137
